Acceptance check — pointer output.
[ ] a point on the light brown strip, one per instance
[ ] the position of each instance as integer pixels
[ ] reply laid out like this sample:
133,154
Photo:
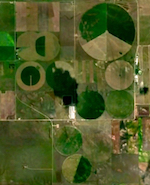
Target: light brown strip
101,82
43,11
32,16
56,18
50,19
50,10
76,69
146,134
116,136
84,71
21,16
7,102
91,71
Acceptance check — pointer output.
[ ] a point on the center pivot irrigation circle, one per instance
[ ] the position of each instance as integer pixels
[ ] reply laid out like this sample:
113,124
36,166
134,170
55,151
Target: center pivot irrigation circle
119,104
43,46
67,140
90,105
119,75
30,71
30,76
106,32
76,168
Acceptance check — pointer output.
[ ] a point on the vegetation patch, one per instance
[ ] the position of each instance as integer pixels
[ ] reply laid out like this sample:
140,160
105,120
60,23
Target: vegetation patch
83,170
90,105
68,140
119,104
108,17
30,75
61,82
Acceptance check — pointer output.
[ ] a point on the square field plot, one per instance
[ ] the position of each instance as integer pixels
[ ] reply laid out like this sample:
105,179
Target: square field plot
35,105
26,153
7,31
7,75
87,143
45,89
125,168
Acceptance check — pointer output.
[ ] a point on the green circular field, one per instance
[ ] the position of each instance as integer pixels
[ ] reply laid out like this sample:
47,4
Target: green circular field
119,104
107,31
76,168
30,76
90,105
67,140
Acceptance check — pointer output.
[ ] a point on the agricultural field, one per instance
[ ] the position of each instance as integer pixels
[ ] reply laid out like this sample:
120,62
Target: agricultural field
74,92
